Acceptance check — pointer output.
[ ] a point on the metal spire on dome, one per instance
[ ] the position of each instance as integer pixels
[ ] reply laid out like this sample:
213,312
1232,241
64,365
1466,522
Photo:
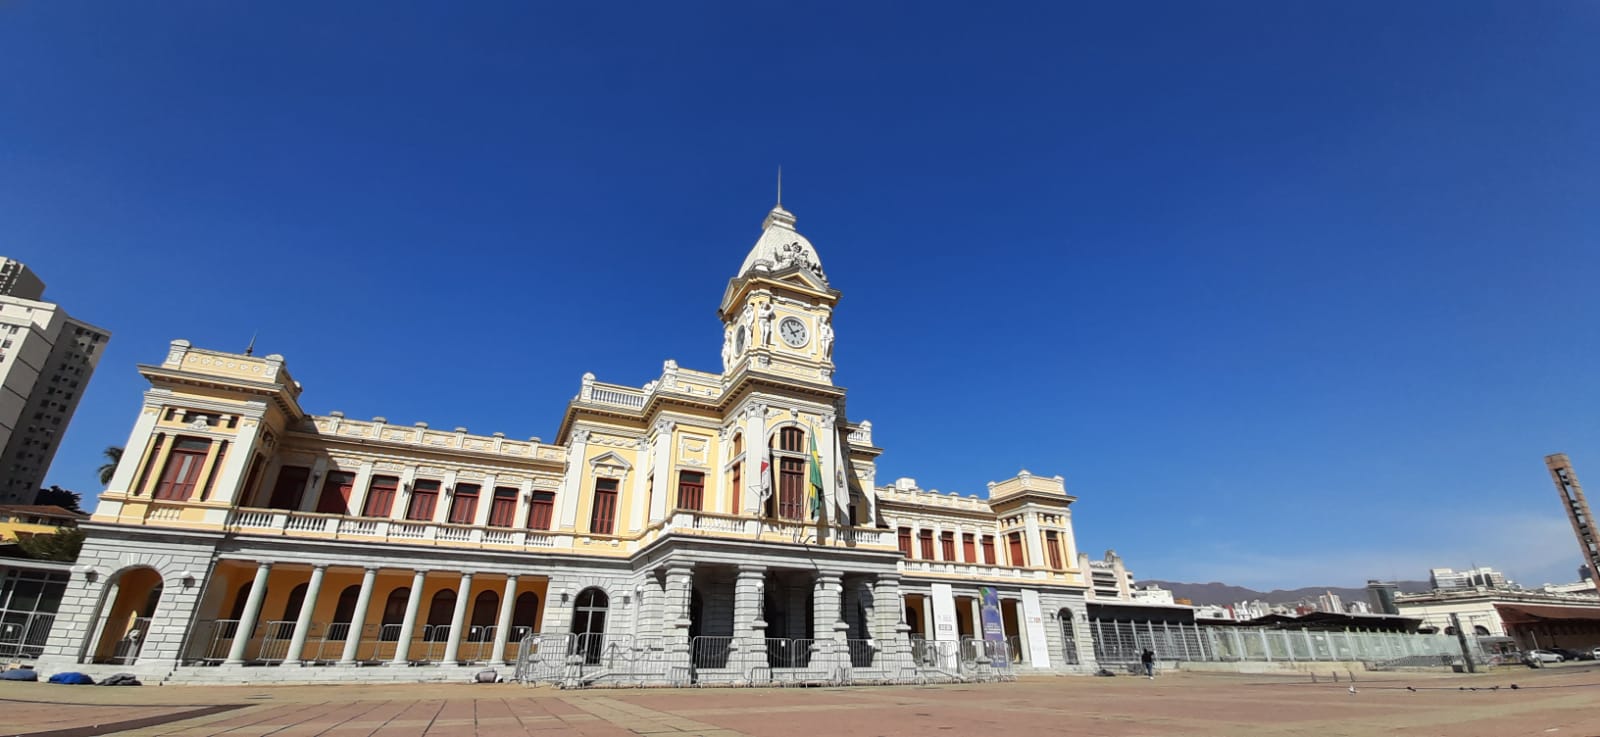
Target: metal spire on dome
780,186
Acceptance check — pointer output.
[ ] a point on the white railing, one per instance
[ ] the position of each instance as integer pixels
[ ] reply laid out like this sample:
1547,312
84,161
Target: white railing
499,537
361,527
306,523
718,524
455,534
603,395
255,519
408,531
537,540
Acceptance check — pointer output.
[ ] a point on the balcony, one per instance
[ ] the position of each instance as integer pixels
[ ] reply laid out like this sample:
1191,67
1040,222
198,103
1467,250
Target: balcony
312,525
980,570
410,532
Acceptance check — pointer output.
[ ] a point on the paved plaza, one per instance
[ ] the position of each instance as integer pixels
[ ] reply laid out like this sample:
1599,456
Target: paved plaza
1554,701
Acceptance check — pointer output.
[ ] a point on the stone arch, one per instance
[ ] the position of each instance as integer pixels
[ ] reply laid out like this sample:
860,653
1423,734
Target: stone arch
133,595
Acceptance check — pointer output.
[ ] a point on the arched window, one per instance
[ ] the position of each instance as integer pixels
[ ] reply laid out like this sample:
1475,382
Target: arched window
1069,640
242,598
346,609
485,608
440,611
589,623
792,439
297,599
394,614
790,474
1480,630
525,614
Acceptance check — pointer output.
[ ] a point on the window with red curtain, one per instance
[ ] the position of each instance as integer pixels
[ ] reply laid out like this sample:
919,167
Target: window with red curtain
182,471
947,545
988,549
335,497
603,520
969,548
925,537
691,490
503,510
905,541
464,504
380,496
289,487
424,500
1052,546
540,509
1014,540
736,490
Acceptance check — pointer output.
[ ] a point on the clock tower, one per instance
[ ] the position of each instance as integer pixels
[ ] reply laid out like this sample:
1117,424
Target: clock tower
777,314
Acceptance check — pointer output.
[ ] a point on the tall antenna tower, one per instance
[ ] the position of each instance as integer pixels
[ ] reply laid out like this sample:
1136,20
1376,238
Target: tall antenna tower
1577,510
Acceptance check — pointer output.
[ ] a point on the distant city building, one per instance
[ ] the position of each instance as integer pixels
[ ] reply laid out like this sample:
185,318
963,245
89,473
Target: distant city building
1358,607
1445,579
1581,588
1533,619
1572,500
1109,578
1380,597
1329,602
46,359
1152,594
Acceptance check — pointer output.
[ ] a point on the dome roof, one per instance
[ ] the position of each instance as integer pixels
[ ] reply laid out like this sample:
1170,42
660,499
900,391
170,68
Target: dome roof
780,247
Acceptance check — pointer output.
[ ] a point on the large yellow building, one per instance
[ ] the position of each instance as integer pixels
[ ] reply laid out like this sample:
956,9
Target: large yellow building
708,525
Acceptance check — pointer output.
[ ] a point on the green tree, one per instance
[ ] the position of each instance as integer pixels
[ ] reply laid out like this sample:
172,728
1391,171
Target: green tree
58,497
113,456
63,545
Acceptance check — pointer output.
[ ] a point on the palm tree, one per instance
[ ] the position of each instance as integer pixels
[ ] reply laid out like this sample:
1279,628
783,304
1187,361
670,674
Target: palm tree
113,456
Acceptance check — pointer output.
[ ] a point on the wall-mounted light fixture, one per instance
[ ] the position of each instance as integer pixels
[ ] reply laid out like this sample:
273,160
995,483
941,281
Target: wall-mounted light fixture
187,579
564,597
315,477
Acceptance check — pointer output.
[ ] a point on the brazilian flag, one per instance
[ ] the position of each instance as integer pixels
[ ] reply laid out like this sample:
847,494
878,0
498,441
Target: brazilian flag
814,493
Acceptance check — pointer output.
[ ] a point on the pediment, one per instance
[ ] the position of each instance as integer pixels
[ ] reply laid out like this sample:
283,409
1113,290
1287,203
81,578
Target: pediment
610,458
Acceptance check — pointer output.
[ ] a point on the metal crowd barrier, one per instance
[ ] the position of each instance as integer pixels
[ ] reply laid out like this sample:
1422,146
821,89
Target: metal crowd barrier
23,634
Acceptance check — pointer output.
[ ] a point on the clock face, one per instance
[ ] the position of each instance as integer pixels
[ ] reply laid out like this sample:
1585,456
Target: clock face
793,332
738,341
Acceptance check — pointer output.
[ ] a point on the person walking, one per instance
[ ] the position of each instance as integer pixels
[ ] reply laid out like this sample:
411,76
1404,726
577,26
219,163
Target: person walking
1148,657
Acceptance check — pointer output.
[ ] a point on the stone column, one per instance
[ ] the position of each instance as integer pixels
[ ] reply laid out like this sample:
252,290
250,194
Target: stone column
661,493
890,632
310,494
1036,556
247,621
138,442
567,498
358,620
302,623
402,647
938,541
502,625
358,489
828,630
240,453
675,613
749,628
458,621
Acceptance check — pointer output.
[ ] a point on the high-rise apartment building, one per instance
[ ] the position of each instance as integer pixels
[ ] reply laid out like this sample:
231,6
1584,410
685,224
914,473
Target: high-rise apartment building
1577,507
46,359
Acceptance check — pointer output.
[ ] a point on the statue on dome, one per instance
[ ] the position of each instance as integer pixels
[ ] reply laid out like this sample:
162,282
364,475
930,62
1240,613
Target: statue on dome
765,316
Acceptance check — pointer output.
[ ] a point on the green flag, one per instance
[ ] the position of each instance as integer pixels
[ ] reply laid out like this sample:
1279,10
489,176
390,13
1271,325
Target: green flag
815,493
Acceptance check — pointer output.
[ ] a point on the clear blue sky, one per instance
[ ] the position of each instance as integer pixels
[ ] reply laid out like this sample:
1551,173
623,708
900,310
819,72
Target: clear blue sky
1290,293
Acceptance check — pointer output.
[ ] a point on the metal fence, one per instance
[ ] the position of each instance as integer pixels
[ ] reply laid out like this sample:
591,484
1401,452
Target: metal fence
128,646
965,660
23,634
1121,643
